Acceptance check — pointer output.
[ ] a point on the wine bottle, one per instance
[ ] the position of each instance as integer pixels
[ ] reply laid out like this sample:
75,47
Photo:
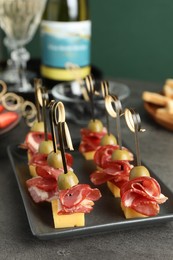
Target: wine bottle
65,40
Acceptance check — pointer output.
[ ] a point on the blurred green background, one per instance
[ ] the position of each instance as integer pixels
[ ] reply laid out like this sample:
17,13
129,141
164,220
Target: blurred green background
130,39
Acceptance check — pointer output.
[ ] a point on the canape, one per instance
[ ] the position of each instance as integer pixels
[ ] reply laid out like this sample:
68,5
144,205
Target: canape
113,167
69,199
91,137
141,195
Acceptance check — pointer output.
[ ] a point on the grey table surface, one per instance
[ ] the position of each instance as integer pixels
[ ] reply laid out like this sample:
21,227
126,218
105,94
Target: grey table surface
151,242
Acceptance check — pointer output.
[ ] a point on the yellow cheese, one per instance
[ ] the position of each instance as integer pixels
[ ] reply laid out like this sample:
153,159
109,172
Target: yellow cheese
29,156
69,220
131,213
114,189
89,155
32,171
31,167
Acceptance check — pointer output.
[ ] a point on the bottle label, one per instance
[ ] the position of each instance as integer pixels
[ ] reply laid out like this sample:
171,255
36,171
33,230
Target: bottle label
65,43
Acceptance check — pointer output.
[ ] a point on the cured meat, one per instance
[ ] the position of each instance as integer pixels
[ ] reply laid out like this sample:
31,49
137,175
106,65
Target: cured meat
142,194
33,139
48,172
41,159
116,171
77,199
42,189
90,140
42,183
103,155
38,159
44,170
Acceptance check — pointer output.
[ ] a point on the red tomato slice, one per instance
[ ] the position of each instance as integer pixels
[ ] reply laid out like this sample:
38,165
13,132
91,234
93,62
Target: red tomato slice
1,108
7,118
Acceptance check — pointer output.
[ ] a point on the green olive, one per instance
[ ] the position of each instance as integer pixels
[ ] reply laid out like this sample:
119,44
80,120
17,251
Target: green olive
108,139
67,180
138,171
120,155
45,147
55,159
38,127
95,125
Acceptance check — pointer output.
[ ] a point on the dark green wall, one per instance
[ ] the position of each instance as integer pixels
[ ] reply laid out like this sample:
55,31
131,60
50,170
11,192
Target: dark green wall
131,38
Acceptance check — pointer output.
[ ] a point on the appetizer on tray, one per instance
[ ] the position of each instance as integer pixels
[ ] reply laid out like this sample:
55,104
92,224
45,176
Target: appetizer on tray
48,165
92,135
141,195
38,141
69,199
113,161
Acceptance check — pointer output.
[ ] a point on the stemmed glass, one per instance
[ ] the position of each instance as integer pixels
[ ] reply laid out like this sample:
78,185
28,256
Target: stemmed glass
10,73
20,19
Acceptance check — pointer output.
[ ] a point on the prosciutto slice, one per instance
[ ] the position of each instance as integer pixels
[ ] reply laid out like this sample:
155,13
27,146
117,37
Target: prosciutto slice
103,155
48,172
44,170
143,194
116,171
41,159
42,189
117,174
90,140
77,199
32,141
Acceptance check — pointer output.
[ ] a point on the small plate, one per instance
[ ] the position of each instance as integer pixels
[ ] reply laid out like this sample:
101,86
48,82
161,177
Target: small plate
77,109
106,216
164,120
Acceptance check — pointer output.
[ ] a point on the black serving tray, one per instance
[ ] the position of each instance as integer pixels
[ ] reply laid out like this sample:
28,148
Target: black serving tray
106,216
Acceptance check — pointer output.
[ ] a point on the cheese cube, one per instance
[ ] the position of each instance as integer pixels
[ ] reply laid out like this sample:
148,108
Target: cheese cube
31,167
89,155
131,213
114,189
32,171
66,220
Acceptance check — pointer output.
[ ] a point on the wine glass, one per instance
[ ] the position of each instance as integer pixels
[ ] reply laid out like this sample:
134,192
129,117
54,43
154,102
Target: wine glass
20,19
10,74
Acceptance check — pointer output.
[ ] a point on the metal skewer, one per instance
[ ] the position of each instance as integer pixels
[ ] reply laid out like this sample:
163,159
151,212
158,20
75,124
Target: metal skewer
52,124
43,99
134,123
105,93
90,90
115,113
63,132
